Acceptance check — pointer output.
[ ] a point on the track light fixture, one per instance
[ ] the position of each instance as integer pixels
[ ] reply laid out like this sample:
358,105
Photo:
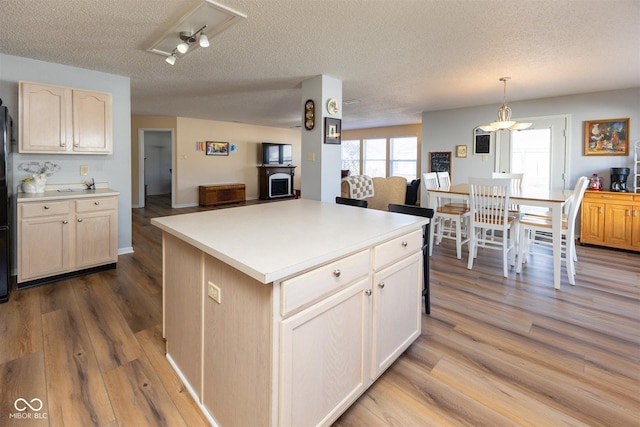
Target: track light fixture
188,38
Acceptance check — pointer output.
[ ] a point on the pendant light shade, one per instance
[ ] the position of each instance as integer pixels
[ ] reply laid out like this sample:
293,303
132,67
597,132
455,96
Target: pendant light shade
504,115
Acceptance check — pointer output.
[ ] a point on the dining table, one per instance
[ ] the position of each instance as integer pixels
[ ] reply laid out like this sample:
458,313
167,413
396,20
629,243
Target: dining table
553,200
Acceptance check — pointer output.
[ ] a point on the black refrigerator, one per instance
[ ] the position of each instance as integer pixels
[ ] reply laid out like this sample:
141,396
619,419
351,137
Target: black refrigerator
6,136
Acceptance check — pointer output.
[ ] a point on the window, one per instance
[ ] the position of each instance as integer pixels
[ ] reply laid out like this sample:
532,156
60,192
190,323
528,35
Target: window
382,157
351,156
404,161
375,157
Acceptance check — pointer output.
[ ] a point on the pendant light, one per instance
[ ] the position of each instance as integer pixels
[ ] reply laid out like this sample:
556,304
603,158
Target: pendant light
504,115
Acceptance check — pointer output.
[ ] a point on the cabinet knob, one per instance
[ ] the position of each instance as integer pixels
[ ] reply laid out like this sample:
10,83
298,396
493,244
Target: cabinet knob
368,292
46,206
404,243
65,222
337,272
97,202
381,284
79,219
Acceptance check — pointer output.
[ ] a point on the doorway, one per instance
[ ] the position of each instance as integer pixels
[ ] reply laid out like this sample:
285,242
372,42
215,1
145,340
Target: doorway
155,164
539,152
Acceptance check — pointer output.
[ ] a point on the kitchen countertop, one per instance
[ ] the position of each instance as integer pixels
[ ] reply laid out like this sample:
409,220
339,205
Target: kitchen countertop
54,195
272,241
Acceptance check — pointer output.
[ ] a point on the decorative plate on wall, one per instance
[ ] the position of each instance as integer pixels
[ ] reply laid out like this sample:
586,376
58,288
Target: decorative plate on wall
333,106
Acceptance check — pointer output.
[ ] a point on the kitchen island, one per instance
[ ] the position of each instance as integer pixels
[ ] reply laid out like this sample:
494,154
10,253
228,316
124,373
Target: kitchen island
283,314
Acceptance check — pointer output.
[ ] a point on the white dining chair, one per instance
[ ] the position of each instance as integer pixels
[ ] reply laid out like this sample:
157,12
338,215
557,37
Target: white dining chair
449,221
516,186
489,201
536,233
444,181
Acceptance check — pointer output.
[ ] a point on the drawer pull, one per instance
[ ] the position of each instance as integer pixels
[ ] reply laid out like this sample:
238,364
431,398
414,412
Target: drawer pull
381,285
404,243
337,272
97,202
79,219
368,292
46,206
65,222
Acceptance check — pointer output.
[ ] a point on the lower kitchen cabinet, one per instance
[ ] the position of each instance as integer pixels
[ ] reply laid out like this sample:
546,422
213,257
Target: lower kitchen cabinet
611,219
63,235
297,351
324,357
397,292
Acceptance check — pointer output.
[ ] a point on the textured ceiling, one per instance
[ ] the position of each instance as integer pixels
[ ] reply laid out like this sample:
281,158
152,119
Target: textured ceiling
399,57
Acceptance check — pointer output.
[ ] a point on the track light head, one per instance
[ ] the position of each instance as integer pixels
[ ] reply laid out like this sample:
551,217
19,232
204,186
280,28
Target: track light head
204,40
183,47
171,59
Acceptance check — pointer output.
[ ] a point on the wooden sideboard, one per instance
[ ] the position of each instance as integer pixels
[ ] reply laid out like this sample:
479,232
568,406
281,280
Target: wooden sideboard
211,195
611,219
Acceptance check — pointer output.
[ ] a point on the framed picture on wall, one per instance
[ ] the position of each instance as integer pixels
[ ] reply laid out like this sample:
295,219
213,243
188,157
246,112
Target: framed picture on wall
461,151
482,142
217,148
606,137
332,130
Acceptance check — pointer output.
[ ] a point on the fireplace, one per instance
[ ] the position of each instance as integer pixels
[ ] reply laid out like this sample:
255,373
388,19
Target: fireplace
276,181
280,185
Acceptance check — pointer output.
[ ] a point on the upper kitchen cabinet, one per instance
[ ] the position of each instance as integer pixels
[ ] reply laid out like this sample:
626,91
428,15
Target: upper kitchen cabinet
56,119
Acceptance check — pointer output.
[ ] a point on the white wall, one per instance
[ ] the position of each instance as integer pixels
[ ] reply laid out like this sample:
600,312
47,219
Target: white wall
443,130
114,168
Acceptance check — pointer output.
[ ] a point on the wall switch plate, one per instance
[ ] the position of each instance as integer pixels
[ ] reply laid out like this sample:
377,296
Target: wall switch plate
214,292
311,156
84,170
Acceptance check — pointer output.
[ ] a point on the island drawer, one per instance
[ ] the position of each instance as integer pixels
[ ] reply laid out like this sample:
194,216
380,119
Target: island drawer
400,247
322,281
35,210
96,204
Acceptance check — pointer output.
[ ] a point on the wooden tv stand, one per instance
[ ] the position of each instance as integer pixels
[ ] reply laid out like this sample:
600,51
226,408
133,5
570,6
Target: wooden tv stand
218,194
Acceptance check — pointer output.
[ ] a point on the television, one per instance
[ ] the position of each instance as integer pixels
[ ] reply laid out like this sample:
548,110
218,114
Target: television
276,154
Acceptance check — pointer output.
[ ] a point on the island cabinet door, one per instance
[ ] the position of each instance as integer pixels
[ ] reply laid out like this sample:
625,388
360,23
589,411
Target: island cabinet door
397,304
323,357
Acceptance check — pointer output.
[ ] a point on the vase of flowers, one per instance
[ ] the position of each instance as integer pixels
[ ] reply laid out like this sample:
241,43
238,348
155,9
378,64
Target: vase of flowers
39,171
28,186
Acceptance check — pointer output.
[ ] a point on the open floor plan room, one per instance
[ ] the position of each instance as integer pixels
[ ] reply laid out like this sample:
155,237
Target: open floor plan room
493,352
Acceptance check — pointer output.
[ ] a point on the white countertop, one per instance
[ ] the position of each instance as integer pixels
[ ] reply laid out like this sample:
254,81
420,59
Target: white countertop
53,195
272,241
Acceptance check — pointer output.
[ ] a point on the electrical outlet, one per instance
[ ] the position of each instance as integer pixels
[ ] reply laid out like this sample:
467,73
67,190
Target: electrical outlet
84,170
214,292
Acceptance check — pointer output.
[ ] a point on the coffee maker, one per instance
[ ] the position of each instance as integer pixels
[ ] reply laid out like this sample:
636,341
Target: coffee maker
619,179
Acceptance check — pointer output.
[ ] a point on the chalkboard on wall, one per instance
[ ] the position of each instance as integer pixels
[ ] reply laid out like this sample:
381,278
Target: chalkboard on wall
440,161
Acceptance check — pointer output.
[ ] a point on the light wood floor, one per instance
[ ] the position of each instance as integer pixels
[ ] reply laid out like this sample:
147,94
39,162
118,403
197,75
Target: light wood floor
494,351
